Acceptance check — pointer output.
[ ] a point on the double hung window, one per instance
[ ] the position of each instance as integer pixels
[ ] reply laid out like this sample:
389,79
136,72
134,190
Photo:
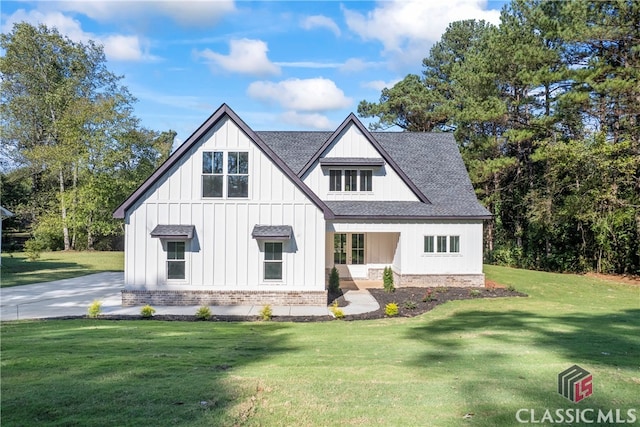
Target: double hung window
175,260
273,261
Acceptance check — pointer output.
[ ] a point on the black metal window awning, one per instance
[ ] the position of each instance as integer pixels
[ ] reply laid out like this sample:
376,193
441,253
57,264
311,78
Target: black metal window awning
272,232
352,161
169,231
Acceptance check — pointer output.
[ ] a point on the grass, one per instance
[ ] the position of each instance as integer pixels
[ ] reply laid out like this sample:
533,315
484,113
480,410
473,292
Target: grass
473,362
18,270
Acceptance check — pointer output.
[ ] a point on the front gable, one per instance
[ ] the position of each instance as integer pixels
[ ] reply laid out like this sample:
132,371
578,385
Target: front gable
183,176
352,165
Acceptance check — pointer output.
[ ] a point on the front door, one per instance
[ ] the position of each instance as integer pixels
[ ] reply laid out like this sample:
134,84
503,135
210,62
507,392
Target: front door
349,255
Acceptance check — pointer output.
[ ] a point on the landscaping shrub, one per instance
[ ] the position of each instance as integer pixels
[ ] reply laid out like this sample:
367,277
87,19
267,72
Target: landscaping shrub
410,305
428,297
391,309
474,292
337,312
147,311
387,280
266,313
95,309
203,313
33,248
334,281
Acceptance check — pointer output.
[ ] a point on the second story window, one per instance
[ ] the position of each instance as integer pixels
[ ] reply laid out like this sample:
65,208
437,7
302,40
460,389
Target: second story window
350,180
238,178
232,181
335,180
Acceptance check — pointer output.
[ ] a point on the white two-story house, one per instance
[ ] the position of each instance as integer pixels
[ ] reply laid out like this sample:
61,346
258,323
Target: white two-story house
236,216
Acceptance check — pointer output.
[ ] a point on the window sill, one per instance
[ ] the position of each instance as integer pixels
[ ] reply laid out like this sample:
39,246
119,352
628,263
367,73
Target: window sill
442,254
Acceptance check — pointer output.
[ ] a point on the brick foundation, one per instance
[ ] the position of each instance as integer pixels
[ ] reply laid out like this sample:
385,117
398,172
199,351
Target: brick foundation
439,280
186,297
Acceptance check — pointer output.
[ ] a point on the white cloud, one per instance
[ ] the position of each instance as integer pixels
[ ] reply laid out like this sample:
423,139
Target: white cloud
354,65
246,56
408,28
187,13
378,85
117,47
317,94
306,120
309,64
320,21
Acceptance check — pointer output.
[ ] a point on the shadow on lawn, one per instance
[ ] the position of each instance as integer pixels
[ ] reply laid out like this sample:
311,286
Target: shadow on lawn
609,339
491,381
130,373
20,271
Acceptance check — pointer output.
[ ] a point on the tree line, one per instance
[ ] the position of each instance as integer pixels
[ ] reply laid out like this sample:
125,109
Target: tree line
545,107
72,150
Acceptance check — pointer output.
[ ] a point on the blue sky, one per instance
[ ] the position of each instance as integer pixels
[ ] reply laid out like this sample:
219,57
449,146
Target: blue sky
281,65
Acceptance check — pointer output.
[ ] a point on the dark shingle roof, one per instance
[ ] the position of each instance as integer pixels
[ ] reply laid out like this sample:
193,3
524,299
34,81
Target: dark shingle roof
430,160
295,148
272,232
352,161
173,231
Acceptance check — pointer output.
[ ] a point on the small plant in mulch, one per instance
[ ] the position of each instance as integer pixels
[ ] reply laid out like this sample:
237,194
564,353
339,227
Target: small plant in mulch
428,296
94,310
203,313
147,312
387,280
336,311
475,293
266,313
391,309
511,288
410,305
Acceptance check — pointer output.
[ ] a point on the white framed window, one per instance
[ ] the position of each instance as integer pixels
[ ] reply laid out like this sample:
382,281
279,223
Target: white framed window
273,261
220,182
441,244
428,244
212,173
454,244
350,180
176,263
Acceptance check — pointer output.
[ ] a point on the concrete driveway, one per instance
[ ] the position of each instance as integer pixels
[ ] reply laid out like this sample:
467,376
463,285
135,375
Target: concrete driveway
68,297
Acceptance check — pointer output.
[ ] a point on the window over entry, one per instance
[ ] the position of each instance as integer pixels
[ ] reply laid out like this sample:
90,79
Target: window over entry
350,180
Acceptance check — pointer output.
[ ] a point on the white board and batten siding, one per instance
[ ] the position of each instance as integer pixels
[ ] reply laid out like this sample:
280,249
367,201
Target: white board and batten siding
386,183
223,255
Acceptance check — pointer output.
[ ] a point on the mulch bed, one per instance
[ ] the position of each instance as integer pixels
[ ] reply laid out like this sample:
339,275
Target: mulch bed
411,302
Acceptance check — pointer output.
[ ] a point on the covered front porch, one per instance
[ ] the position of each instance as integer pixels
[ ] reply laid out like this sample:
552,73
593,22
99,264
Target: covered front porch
361,255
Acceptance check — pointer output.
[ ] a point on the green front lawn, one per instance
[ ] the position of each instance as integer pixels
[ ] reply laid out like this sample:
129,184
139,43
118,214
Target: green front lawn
18,270
473,362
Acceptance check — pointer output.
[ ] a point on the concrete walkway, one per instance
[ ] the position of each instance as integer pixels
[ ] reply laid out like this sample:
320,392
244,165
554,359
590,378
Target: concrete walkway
71,297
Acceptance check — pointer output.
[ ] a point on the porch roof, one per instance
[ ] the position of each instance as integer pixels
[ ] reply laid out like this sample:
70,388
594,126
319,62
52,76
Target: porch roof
172,231
272,232
402,210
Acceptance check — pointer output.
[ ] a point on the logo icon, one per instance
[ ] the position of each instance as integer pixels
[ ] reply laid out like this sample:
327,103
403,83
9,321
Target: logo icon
575,383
